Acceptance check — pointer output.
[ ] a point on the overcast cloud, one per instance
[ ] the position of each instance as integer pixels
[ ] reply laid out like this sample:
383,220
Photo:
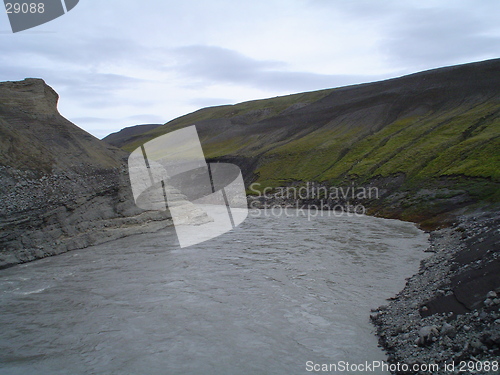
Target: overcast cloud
117,63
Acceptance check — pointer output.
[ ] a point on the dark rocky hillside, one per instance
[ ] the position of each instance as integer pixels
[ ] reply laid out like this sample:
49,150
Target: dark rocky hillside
60,187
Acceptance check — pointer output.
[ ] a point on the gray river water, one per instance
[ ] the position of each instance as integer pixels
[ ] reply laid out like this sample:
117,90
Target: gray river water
266,298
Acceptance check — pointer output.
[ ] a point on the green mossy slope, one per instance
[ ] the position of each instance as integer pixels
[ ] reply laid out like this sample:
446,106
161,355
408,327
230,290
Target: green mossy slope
435,132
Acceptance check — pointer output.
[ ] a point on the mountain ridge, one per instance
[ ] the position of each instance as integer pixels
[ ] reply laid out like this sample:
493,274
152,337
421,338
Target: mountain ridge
435,131
118,138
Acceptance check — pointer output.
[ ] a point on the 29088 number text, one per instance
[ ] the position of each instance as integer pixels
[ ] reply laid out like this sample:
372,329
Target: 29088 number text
24,8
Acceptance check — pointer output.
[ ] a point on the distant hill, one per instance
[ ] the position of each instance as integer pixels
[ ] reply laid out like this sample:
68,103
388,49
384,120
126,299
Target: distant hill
128,134
433,136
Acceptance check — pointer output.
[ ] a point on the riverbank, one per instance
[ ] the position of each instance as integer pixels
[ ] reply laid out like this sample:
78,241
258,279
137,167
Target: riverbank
42,216
449,312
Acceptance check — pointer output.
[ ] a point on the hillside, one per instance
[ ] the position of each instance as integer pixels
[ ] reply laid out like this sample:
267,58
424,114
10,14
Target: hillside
60,187
37,142
430,141
61,144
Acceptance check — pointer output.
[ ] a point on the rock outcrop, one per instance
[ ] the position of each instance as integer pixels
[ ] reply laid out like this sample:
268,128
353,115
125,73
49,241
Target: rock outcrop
60,187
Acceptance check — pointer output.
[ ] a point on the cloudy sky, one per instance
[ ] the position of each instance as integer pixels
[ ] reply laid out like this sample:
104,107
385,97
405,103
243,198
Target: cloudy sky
117,63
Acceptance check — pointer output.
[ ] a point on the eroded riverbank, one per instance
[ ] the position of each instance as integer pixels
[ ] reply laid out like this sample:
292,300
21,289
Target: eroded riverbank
449,312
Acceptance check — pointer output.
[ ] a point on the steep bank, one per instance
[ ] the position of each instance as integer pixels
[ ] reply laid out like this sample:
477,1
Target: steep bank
60,187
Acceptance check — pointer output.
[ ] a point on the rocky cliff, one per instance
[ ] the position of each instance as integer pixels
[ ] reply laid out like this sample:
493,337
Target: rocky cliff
60,187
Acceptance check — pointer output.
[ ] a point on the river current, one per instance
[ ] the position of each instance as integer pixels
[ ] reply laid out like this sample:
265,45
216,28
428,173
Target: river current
276,295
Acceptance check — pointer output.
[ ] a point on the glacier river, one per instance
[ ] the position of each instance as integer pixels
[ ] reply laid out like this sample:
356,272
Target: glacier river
273,296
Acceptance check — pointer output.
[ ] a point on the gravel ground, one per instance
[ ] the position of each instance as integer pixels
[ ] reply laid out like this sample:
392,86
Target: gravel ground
449,313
